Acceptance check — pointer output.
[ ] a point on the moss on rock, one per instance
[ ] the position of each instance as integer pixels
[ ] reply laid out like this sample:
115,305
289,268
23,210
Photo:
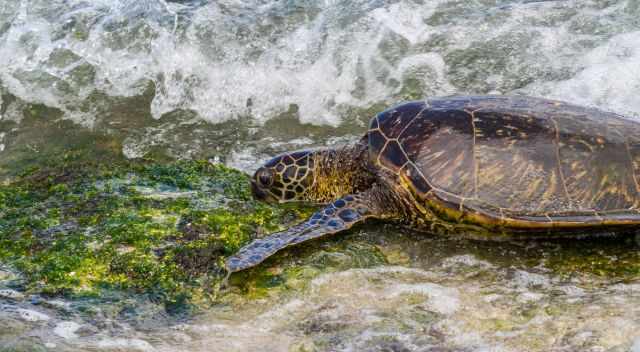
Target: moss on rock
161,229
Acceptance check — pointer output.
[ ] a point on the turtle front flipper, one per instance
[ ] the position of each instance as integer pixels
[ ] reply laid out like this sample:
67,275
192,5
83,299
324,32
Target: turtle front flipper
337,216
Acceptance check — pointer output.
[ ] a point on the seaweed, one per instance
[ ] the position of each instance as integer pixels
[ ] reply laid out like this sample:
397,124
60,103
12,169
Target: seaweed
77,227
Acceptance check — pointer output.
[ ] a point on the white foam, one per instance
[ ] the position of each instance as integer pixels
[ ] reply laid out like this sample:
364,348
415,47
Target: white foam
526,280
227,58
571,291
66,329
11,294
610,78
246,160
636,345
122,343
232,337
186,78
406,19
154,193
356,309
466,260
59,304
441,299
627,288
529,297
32,315
132,150
381,271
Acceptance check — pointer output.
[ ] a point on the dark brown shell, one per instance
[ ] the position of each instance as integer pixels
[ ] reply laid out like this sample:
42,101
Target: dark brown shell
516,162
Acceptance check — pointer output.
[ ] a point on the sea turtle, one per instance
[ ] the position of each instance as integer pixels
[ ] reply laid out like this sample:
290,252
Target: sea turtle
482,166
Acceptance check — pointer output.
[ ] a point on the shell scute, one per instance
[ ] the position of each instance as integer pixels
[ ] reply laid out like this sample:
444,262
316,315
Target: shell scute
598,172
440,143
392,156
516,162
414,179
376,143
374,123
394,120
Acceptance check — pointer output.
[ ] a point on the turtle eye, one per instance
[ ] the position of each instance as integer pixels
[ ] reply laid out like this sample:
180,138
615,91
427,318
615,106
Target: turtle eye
265,177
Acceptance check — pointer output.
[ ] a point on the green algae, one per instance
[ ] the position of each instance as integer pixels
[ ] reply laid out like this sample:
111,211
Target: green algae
161,229
605,258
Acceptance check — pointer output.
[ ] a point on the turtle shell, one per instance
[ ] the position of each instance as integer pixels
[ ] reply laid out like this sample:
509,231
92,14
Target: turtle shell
513,162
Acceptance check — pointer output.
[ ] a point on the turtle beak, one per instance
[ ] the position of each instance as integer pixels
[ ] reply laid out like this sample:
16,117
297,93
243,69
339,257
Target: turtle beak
257,192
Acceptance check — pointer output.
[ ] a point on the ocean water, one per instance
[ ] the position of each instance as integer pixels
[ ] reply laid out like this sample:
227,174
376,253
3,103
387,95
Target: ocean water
237,81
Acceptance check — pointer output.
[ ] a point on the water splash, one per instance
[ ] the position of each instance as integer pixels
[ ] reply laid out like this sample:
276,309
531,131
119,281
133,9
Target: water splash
226,59
493,309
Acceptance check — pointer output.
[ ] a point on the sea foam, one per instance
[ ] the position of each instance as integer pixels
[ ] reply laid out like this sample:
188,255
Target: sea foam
227,59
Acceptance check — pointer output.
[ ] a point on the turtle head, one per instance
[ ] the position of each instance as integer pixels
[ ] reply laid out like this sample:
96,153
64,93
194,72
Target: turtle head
317,176
285,178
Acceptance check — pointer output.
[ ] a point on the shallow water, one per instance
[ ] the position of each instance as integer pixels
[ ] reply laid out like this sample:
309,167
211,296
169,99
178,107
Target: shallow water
461,296
380,289
237,81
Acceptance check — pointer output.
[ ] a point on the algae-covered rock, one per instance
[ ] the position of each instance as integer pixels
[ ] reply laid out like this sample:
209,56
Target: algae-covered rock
146,227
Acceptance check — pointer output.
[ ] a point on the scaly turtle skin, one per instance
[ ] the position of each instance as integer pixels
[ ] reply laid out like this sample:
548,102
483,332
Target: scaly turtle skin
481,166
